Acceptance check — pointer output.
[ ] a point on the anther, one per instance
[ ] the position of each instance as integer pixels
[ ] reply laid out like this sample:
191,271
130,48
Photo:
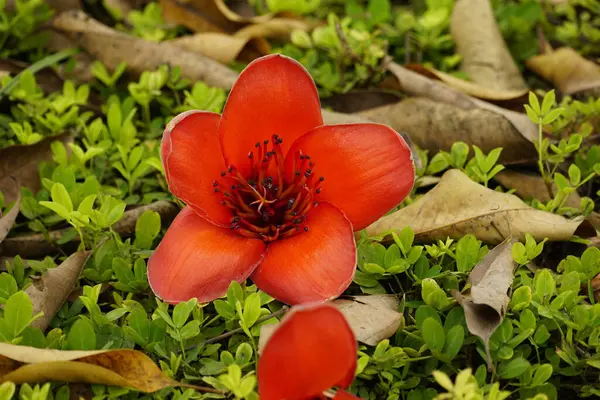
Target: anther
318,190
322,178
306,229
223,173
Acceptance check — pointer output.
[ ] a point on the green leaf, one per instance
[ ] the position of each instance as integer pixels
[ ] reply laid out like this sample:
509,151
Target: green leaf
61,196
545,286
542,374
81,336
467,253
521,298
513,368
251,309
8,286
574,174
18,312
548,102
534,103
147,227
433,334
190,330
454,341
181,313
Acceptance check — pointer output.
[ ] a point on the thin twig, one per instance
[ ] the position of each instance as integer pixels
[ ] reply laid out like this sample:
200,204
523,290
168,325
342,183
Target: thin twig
239,330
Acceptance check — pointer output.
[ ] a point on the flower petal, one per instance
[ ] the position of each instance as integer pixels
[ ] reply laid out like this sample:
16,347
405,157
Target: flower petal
317,265
192,159
199,259
312,350
367,168
273,95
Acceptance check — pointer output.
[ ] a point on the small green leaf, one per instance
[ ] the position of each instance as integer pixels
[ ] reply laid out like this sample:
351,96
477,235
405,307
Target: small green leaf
513,368
251,309
61,196
548,102
542,374
81,336
433,334
534,103
18,312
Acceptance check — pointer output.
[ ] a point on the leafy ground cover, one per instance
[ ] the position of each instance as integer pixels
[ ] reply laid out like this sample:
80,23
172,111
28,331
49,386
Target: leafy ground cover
482,284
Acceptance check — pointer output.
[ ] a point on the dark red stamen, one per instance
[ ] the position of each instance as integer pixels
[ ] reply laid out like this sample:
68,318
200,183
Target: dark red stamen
264,206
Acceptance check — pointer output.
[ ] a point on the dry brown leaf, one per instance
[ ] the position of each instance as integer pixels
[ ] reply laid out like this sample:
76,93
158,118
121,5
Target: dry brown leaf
22,162
529,186
8,220
458,206
275,28
471,88
372,318
485,56
35,245
64,5
419,85
436,126
568,71
491,279
49,292
126,368
217,46
360,100
112,47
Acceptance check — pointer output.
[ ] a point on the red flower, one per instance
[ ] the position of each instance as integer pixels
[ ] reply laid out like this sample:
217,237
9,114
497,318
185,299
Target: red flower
272,193
312,350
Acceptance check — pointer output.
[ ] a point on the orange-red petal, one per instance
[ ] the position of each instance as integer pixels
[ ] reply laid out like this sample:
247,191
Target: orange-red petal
273,95
312,266
198,259
192,159
312,350
343,395
367,168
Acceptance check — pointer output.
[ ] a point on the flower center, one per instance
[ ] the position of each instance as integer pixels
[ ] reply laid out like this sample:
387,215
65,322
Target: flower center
265,206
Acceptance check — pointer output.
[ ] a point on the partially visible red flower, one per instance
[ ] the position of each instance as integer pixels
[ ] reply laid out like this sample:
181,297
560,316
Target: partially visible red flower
312,350
272,193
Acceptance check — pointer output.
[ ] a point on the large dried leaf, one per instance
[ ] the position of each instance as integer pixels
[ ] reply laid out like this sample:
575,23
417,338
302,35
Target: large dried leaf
435,126
112,47
371,318
568,70
491,279
458,206
217,46
485,56
126,368
275,28
8,220
34,245
418,85
21,162
529,186
474,89
54,287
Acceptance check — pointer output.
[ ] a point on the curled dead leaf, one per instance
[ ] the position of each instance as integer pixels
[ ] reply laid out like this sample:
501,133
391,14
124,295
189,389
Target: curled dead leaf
372,318
418,85
112,47
485,56
568,70
486,305
472,88
49,292
458,206
21,162
435,126
126,368
34,245
8,220
217,46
